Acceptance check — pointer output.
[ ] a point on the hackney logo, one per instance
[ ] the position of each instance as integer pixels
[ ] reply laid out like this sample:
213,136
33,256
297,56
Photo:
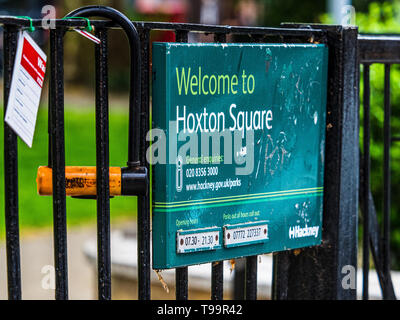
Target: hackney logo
299,232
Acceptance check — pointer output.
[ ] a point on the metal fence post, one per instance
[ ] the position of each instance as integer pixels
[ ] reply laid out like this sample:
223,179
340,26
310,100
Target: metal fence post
143,215
11,175
57,144
316,273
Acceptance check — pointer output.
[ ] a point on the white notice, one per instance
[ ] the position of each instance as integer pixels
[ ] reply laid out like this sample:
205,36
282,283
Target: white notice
26,87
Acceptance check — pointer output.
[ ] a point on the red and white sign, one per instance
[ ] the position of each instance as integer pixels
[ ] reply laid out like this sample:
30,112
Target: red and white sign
26,88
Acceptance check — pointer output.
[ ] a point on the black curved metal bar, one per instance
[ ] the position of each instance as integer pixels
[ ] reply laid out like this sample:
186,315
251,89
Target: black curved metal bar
135,94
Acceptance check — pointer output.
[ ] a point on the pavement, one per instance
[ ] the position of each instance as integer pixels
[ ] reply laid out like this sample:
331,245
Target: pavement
37,266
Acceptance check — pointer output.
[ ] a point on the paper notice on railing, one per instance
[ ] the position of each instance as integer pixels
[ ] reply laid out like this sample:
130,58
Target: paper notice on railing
26,88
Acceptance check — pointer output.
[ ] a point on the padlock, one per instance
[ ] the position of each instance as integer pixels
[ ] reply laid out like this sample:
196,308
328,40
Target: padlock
132,180
81,181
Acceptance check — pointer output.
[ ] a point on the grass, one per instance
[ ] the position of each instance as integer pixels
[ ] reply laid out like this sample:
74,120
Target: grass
36,211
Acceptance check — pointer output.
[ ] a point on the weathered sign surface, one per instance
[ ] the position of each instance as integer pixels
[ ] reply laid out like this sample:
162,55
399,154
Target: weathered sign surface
238,150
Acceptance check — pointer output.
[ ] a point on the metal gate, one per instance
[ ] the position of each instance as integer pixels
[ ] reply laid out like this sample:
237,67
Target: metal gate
310,273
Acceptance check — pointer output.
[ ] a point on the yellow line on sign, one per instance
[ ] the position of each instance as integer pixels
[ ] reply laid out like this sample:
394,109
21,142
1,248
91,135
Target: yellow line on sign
237,198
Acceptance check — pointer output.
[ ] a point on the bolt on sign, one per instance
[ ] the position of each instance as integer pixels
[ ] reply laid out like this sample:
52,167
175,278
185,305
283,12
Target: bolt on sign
237,152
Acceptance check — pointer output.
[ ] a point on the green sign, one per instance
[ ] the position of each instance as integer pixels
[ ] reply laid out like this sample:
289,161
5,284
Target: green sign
238,145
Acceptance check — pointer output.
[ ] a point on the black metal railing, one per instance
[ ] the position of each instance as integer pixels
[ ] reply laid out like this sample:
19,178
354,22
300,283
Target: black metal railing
381,49
307,273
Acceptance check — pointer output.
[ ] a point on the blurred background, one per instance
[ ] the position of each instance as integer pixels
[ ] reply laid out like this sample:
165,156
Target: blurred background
375,16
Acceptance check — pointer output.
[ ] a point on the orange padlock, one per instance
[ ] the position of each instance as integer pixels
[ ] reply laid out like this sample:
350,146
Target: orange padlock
79,181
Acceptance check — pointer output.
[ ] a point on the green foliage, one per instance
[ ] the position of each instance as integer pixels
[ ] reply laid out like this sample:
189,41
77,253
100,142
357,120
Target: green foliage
380,18
276,11
36,211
